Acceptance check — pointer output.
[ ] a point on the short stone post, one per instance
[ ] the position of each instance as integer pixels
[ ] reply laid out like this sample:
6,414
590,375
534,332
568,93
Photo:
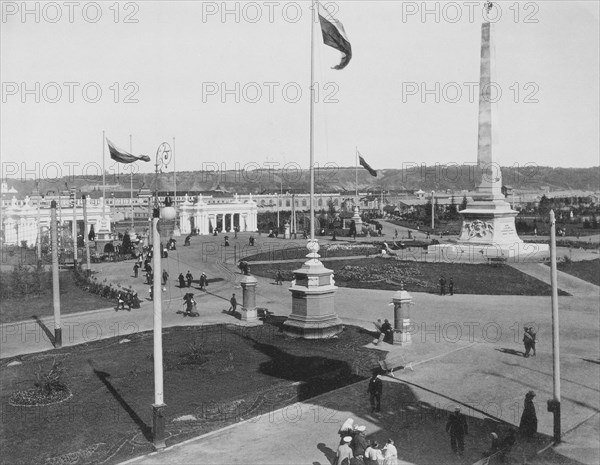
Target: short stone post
249,312
402,301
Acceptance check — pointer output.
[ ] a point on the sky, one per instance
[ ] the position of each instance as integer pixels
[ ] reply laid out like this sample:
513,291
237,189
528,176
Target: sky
227,83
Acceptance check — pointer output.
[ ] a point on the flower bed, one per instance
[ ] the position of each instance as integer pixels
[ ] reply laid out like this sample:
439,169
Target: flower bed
35,397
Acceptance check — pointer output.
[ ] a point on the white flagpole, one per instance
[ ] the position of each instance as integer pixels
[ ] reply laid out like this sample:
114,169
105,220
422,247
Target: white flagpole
174,177
314,17
103,176
131,179
356,173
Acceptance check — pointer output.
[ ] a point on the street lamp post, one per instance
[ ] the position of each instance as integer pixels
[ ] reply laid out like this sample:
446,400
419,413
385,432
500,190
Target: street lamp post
554,403
167,213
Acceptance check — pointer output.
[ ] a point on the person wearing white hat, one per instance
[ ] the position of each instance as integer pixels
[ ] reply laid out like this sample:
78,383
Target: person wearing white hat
344,452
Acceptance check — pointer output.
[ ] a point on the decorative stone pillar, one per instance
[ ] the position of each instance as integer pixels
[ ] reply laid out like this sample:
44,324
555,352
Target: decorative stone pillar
313,300
402,301
358,223
249,312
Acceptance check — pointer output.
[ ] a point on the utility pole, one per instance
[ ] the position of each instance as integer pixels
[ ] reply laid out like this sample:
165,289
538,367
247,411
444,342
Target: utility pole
86,240
75,261
55,277
554,404
39,240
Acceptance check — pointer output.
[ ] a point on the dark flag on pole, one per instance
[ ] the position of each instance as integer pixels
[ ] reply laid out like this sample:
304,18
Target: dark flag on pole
366,166
334,35
120,156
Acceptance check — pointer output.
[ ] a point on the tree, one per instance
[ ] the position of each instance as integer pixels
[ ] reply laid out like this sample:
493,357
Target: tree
126,246
331,208
453,214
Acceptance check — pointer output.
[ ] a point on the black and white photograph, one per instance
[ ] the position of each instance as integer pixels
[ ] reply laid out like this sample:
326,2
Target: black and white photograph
306,232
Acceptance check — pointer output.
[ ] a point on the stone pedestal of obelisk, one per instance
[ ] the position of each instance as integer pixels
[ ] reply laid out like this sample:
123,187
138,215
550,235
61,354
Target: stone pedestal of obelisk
313,300
488,223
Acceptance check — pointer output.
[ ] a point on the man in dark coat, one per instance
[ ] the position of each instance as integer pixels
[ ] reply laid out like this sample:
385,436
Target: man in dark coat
233,302
457,427
181,280
528,425
189,278
375,389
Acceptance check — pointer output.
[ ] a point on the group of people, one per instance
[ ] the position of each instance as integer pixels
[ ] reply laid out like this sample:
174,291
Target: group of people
443,283
129,298
356,448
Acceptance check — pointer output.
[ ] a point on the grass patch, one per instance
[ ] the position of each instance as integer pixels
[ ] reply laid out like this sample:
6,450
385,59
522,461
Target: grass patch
386,274
73,300
216,375
588,270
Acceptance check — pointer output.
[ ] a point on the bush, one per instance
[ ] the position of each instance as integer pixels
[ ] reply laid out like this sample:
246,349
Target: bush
51,381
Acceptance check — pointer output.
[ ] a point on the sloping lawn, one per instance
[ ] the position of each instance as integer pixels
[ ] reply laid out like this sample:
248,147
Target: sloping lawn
73,300
386,274
214,375
588,270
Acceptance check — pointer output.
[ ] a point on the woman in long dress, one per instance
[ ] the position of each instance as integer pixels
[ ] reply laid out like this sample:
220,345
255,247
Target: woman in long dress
528,425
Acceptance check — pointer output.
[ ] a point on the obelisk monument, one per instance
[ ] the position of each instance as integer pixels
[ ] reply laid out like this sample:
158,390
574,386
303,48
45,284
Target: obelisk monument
488,223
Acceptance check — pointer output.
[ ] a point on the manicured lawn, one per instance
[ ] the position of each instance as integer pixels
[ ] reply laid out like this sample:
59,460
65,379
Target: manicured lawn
73,299
217,375
588,270
386,274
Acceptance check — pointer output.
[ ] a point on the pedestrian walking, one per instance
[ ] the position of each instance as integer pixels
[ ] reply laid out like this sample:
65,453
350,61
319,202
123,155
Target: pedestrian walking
189,278
375,389
136,269
203,281
533,336
451,286
528,425
528,341
279,278
457,427
344,452
233,302
165,277
181,279
442,285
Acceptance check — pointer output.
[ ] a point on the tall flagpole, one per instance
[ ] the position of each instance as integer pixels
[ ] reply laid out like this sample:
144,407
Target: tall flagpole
312,117
131,179
356,173
103,177
174,177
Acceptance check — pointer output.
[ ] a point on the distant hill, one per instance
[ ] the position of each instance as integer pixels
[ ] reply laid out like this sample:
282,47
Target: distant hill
342,179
